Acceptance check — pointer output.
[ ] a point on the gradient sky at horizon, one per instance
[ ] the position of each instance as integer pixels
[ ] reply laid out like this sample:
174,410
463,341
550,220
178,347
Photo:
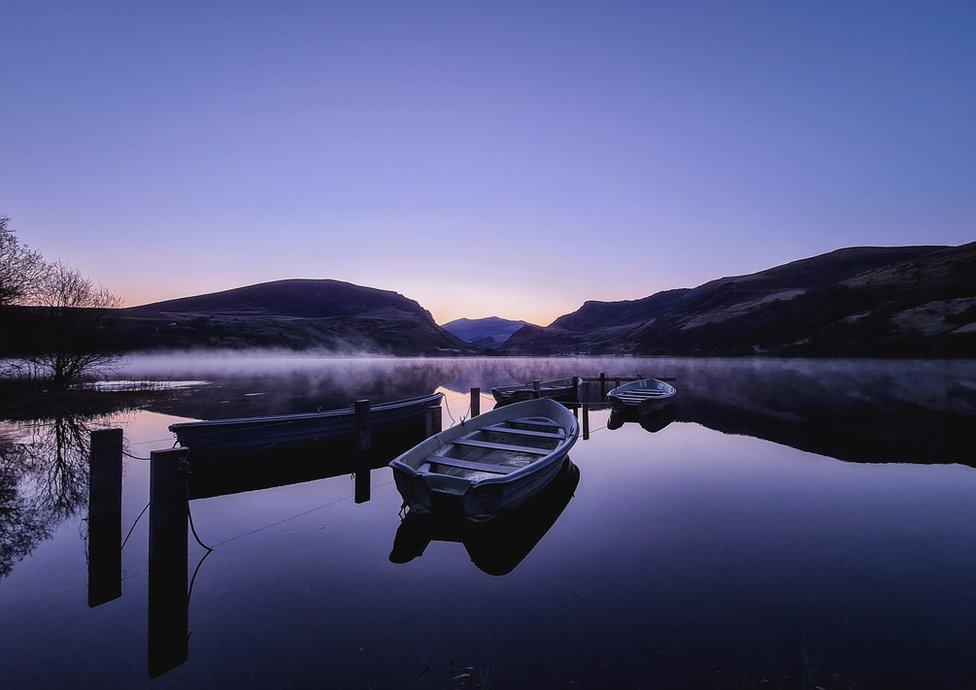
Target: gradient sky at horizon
481,158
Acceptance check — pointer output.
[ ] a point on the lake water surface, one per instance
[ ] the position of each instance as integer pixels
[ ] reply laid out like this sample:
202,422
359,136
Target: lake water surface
791,524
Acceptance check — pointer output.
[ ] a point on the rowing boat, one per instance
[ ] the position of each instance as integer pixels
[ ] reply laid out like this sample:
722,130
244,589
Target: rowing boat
278,431
489,464
646,395
566,390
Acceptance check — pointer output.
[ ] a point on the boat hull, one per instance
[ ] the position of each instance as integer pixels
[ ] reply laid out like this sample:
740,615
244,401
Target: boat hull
554,390
476,503
259,433
498,546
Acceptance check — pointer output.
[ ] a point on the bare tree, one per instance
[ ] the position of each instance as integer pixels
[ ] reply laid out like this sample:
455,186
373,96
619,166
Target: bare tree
21,268
78,326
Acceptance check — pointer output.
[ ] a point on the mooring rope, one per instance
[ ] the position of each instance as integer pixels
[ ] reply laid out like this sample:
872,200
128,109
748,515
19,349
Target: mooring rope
268,526
129,534
185,467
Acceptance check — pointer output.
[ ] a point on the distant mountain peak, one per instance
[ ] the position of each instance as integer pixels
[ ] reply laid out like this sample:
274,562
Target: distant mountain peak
487,332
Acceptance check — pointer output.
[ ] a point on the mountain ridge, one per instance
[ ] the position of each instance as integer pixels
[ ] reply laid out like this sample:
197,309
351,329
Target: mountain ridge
854,301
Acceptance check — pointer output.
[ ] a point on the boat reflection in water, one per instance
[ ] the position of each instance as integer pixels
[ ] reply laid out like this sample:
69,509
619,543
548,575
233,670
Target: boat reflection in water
652,422
496,547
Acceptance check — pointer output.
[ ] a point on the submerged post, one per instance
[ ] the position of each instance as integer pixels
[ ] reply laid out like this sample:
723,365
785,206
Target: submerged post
168,617
433,421
363,440
603,386
536,389
586,423
475,401
105,517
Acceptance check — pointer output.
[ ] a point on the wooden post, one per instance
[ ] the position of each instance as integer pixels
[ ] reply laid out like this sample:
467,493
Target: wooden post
586,391
475,401
536,389
586,423
361,490
105,517
168,619
433,421
603,386
363,440
576,388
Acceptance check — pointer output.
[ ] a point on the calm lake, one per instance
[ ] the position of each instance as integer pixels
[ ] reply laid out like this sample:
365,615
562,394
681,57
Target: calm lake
790,524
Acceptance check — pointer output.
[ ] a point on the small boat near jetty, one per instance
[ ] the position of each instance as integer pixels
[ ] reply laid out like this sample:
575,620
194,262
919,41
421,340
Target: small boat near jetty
489,464
646,395
557,389
250,434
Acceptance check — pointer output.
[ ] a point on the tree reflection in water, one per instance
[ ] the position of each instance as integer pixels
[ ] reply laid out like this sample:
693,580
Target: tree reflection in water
43,480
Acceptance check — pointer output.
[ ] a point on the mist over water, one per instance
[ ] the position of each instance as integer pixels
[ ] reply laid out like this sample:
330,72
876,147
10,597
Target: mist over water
856,409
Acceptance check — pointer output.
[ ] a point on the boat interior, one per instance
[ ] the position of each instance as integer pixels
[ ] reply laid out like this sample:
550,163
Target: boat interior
497,449
642,393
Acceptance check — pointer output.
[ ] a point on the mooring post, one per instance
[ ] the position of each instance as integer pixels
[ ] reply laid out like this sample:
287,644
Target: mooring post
361,483
576,388
536,388
168,619
603,386
475,401
105,517
363,440
586,423
433,422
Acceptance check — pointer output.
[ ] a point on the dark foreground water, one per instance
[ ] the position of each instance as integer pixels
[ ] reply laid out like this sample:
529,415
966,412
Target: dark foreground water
792,525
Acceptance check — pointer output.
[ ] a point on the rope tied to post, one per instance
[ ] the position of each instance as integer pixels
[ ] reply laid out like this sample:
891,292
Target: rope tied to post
185,468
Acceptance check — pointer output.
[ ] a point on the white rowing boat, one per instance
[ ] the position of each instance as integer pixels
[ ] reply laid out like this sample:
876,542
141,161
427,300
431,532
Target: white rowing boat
646,395
488,464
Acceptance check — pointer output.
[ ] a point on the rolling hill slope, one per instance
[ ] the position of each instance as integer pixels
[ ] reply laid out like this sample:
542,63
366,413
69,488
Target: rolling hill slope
859,301
297,314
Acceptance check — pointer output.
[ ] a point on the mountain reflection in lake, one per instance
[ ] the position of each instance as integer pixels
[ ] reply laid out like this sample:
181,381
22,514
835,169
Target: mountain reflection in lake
784,524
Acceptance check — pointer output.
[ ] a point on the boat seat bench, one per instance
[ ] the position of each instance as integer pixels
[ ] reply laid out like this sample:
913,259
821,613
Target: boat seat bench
468,465
502,446
528,421
498,428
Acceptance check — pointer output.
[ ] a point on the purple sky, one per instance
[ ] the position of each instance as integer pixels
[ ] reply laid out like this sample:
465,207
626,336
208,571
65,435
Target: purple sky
482,158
